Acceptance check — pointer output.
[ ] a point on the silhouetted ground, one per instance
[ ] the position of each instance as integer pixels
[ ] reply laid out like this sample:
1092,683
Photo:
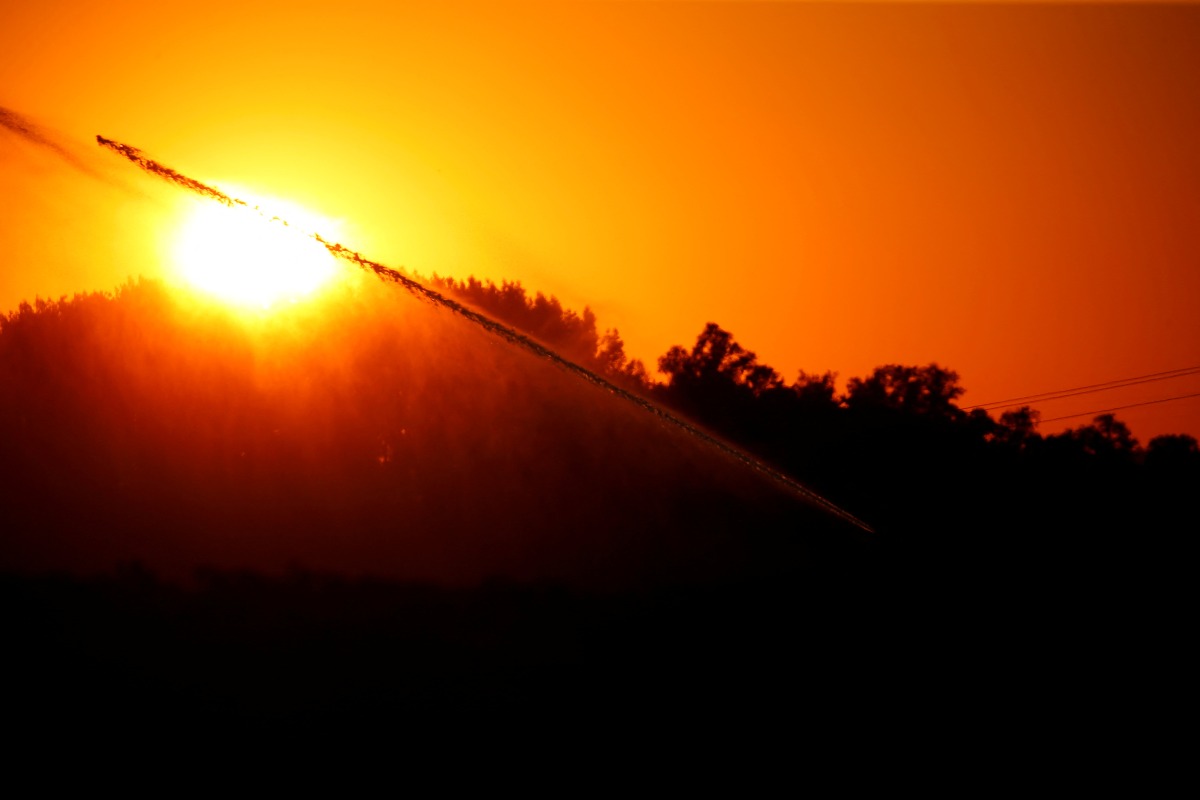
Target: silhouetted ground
381,518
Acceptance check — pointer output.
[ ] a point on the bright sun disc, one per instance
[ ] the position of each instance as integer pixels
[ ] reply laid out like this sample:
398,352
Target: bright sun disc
241,257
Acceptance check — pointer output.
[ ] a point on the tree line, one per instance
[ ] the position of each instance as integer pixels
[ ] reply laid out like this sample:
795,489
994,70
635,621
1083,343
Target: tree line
941,483
722,384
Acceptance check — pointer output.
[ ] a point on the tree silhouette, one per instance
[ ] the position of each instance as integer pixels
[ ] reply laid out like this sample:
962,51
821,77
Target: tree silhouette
719,383
929,390
572,334
816,391
1106,438
1018,428
1173,453
611,360
716,360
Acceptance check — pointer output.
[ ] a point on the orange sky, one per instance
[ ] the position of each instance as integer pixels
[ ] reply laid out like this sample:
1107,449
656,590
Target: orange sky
1009,190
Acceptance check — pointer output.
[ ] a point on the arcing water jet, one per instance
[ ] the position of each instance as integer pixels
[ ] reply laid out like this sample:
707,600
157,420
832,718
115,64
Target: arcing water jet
510,335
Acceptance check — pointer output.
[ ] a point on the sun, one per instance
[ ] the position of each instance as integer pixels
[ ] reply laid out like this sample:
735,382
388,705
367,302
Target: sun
245,258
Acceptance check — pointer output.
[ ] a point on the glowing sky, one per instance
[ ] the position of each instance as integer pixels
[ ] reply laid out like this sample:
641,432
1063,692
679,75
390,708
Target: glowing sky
1009,190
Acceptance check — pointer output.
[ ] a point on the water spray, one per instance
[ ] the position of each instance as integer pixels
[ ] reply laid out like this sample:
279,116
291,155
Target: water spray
423,292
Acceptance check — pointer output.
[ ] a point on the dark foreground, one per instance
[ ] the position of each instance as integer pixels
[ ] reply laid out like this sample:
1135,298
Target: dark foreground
843,657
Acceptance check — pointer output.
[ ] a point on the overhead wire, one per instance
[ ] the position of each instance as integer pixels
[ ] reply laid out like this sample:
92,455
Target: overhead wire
1076,391
1122,408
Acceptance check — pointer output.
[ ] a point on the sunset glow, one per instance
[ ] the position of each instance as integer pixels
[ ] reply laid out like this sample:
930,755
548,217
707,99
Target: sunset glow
423,369
242,257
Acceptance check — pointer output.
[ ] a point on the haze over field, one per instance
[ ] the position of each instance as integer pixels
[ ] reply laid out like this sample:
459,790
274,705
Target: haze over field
386,439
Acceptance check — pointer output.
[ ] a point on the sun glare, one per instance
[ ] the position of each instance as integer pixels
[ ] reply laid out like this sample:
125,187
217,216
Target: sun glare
241,257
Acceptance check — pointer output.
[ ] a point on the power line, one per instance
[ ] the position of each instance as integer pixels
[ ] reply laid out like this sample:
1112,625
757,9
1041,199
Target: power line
1090,388
1116,385
1122,408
